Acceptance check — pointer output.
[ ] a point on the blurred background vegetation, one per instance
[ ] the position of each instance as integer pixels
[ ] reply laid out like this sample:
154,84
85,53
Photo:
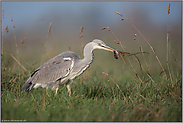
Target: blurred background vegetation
31,22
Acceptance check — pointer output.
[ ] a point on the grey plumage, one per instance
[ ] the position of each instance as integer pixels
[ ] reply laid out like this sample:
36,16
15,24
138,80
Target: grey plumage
63,68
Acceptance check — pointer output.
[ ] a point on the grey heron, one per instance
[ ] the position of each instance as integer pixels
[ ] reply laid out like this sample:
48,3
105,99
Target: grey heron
63,68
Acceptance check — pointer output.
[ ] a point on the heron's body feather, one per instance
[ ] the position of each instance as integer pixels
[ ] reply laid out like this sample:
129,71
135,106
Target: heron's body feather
52,72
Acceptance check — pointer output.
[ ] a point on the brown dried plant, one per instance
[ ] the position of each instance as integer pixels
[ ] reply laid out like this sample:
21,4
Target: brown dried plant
167,51
18,59
122,53
2,33
81,32
6,28
116,42
106,28
22,41
169,8
146,42
49,30
81,38
18,62
3,13
11,17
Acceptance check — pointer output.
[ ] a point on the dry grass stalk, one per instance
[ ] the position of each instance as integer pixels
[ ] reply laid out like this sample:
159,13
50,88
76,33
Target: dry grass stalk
116,85
11,17
22,41
49,30
81,31
6,28
106,28
174,57
81,37
16,47
106,74
3,13
147,43
145,60
116,42
123,50
169,8
2,34
167,51
119,14
122,54
135,36
18,62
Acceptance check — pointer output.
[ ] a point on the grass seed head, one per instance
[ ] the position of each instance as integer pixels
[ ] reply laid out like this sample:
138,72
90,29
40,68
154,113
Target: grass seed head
22,41
106,28
49,30
169,8
6,28
81,31
135,36
11,17
119,14
106,74
3,13
116,42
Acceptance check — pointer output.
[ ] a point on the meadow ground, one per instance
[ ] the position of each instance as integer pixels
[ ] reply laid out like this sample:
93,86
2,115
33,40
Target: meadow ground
95,97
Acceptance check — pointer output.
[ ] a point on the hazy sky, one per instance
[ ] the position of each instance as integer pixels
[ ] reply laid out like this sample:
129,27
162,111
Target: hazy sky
31,12
32,19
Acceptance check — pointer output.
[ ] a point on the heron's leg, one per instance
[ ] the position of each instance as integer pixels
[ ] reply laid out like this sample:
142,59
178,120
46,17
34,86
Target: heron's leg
56,91
68,87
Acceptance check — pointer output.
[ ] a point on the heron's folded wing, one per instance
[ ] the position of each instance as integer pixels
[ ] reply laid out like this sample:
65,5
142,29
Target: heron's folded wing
51,71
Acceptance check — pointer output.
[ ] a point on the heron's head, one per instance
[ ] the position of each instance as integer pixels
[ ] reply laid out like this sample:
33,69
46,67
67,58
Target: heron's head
99,44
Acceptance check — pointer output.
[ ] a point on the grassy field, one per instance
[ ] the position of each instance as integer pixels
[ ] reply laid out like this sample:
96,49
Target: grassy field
94,99
133,88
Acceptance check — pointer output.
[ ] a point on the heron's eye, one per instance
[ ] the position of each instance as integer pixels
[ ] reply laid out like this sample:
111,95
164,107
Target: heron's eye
100,44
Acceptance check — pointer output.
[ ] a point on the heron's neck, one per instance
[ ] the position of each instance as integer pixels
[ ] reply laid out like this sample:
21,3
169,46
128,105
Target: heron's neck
81,65
88,54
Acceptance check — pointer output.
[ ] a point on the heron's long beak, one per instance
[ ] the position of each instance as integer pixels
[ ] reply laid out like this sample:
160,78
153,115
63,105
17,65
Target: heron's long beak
108,48
116,55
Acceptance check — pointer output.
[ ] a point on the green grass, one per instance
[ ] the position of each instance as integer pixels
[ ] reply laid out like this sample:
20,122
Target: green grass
94,98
